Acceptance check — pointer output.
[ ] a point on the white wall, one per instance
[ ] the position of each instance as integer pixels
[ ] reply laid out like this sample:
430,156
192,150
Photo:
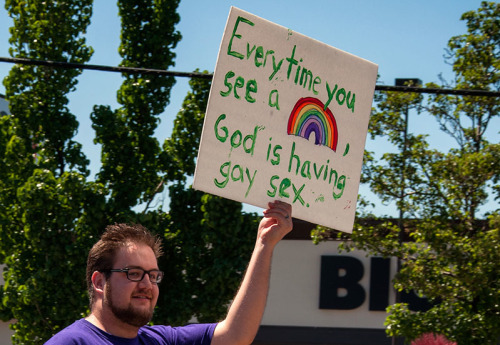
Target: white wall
295,284
3,105
5,332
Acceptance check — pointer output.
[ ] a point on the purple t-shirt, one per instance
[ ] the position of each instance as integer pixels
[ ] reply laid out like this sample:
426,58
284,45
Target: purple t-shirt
82,332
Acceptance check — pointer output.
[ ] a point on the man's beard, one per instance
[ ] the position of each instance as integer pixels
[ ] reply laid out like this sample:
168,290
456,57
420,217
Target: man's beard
128,315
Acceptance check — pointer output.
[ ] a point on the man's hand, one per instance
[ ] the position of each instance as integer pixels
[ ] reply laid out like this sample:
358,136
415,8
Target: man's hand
276,223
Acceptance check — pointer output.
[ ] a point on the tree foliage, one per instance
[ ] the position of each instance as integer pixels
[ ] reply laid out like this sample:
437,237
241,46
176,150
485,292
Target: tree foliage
51,212
45,199
130,152
452,252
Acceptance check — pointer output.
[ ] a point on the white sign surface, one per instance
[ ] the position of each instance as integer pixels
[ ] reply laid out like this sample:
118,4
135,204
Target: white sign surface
286,119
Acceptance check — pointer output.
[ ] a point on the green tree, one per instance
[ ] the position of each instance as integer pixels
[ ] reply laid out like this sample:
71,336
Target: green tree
451,253
130,152
51,213
46,204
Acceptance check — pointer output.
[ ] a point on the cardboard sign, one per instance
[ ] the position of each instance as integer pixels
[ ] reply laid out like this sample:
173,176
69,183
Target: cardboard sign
287,119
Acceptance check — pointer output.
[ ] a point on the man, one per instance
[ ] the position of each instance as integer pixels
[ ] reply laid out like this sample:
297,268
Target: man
123,277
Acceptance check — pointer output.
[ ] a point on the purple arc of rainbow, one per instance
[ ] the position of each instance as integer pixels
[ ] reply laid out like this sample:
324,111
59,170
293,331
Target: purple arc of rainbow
310,116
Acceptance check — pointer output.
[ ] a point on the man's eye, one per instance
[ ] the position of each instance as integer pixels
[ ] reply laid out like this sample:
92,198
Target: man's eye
134,274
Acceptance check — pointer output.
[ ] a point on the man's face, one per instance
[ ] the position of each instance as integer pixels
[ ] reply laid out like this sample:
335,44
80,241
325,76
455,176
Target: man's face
132,302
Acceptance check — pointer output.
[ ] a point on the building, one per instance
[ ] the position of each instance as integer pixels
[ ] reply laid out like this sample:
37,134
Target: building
321,296
5,332
4,106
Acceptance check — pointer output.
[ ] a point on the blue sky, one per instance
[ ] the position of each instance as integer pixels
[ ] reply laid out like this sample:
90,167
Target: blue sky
405,38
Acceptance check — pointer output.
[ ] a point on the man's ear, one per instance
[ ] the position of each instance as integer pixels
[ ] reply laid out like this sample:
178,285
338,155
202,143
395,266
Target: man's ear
98,281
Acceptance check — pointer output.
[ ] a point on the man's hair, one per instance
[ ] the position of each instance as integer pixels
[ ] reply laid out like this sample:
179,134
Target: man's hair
102,255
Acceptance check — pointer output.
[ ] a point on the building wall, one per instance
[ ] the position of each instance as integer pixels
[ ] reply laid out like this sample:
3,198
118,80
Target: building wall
295,288
4,107
5,332
293,314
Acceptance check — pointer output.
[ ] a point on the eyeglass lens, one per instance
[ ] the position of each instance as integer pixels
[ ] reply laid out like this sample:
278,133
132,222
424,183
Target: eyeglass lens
137,274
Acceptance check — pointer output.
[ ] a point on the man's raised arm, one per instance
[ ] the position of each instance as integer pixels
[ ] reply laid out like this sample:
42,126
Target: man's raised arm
245,314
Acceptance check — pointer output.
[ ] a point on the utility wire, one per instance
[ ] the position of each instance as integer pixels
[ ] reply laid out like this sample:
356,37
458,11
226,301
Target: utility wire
152,71
120,69
437,91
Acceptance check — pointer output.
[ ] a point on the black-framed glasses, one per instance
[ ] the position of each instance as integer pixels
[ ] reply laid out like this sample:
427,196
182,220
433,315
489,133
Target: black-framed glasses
137,274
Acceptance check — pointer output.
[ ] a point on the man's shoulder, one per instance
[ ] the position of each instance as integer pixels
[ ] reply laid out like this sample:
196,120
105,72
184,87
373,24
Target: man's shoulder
78,333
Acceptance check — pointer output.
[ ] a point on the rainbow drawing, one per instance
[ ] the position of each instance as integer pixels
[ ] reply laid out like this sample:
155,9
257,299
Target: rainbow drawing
310,116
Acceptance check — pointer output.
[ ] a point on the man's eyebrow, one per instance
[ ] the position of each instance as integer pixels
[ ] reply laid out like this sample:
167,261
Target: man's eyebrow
142,268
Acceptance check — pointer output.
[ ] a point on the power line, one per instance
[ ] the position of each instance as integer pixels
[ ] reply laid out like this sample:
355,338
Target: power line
120,69
438,91
152,71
